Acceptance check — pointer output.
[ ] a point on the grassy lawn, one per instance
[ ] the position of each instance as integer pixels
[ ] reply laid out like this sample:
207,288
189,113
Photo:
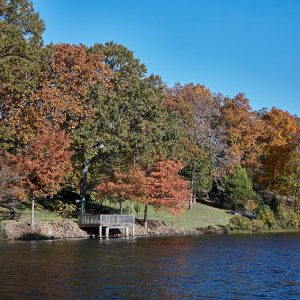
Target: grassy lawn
199,216
41,214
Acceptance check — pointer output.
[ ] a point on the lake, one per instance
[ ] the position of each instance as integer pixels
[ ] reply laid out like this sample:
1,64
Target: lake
265,266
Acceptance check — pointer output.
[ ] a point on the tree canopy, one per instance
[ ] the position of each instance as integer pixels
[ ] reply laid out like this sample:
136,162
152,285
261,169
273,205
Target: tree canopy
94,113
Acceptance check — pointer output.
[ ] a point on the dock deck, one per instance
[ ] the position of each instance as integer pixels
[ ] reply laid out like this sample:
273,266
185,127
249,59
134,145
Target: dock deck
108,222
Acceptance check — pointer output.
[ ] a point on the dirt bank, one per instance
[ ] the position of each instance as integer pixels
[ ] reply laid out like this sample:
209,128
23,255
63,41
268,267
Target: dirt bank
43,230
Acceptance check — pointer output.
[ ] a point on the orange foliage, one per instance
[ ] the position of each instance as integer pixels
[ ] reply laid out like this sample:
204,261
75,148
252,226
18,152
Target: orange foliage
130,185
280,139
46,162
12,178
243,128
64,96
167,188
163,186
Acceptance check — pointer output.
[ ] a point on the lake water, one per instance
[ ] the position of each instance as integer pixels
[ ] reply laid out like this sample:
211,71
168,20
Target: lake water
203,267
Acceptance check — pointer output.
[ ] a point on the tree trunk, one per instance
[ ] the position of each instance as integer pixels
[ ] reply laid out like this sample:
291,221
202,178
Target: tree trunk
194,198
192,190
146,216
191,200
83,184
193,185
120,206
32,223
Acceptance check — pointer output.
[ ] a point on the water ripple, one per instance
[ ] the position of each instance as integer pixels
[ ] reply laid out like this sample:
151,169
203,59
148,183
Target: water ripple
205,267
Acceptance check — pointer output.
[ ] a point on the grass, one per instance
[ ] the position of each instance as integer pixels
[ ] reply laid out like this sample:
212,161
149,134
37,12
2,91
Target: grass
41,214
199,216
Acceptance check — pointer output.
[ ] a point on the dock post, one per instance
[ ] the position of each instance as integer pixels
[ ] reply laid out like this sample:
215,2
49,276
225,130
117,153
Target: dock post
107,232
100,232
133,230
126,231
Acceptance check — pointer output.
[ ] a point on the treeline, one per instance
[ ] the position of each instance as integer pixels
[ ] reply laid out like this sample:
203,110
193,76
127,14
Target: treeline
92,121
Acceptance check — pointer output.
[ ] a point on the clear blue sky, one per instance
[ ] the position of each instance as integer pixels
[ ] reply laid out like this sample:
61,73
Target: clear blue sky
250,46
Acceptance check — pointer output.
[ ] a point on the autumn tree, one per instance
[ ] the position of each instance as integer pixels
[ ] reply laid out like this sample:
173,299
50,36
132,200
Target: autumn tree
129,121
12,179
289,178
63,94
67,97
21,58
201,144
46,161
163,187
129,185
279,141
166,188
243,129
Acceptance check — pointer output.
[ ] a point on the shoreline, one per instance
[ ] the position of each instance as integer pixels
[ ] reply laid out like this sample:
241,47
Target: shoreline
271,231
60,230
52,230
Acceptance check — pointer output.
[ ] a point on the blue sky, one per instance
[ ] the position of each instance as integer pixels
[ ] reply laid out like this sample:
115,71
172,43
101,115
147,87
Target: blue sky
231,46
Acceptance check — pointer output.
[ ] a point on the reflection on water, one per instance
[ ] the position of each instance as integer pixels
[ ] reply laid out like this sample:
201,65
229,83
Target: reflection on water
214,267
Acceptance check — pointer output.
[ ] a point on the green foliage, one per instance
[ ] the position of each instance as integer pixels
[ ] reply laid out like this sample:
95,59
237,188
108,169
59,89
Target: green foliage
65,210
7,139
3,234
239,223
203,170
289,177
266,215
138,207
287,218
21,51
4,214
132,111
127,117
238,188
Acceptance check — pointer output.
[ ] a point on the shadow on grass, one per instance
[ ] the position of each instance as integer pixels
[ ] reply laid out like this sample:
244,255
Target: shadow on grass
23,206
98,208
35,237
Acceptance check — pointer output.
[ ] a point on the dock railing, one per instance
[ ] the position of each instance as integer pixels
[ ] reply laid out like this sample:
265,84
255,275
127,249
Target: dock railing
105,220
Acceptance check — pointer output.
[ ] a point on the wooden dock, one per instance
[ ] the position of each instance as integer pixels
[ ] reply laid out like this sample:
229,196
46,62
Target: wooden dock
107,222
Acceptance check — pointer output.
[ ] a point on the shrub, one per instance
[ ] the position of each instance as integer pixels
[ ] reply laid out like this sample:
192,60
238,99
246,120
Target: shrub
238,188
65,210
137,207
287,218
4,215
3,234
266,215
251,206
257,225
238,223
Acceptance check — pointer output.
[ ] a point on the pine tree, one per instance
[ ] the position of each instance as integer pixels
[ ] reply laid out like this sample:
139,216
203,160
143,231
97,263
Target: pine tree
238,188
